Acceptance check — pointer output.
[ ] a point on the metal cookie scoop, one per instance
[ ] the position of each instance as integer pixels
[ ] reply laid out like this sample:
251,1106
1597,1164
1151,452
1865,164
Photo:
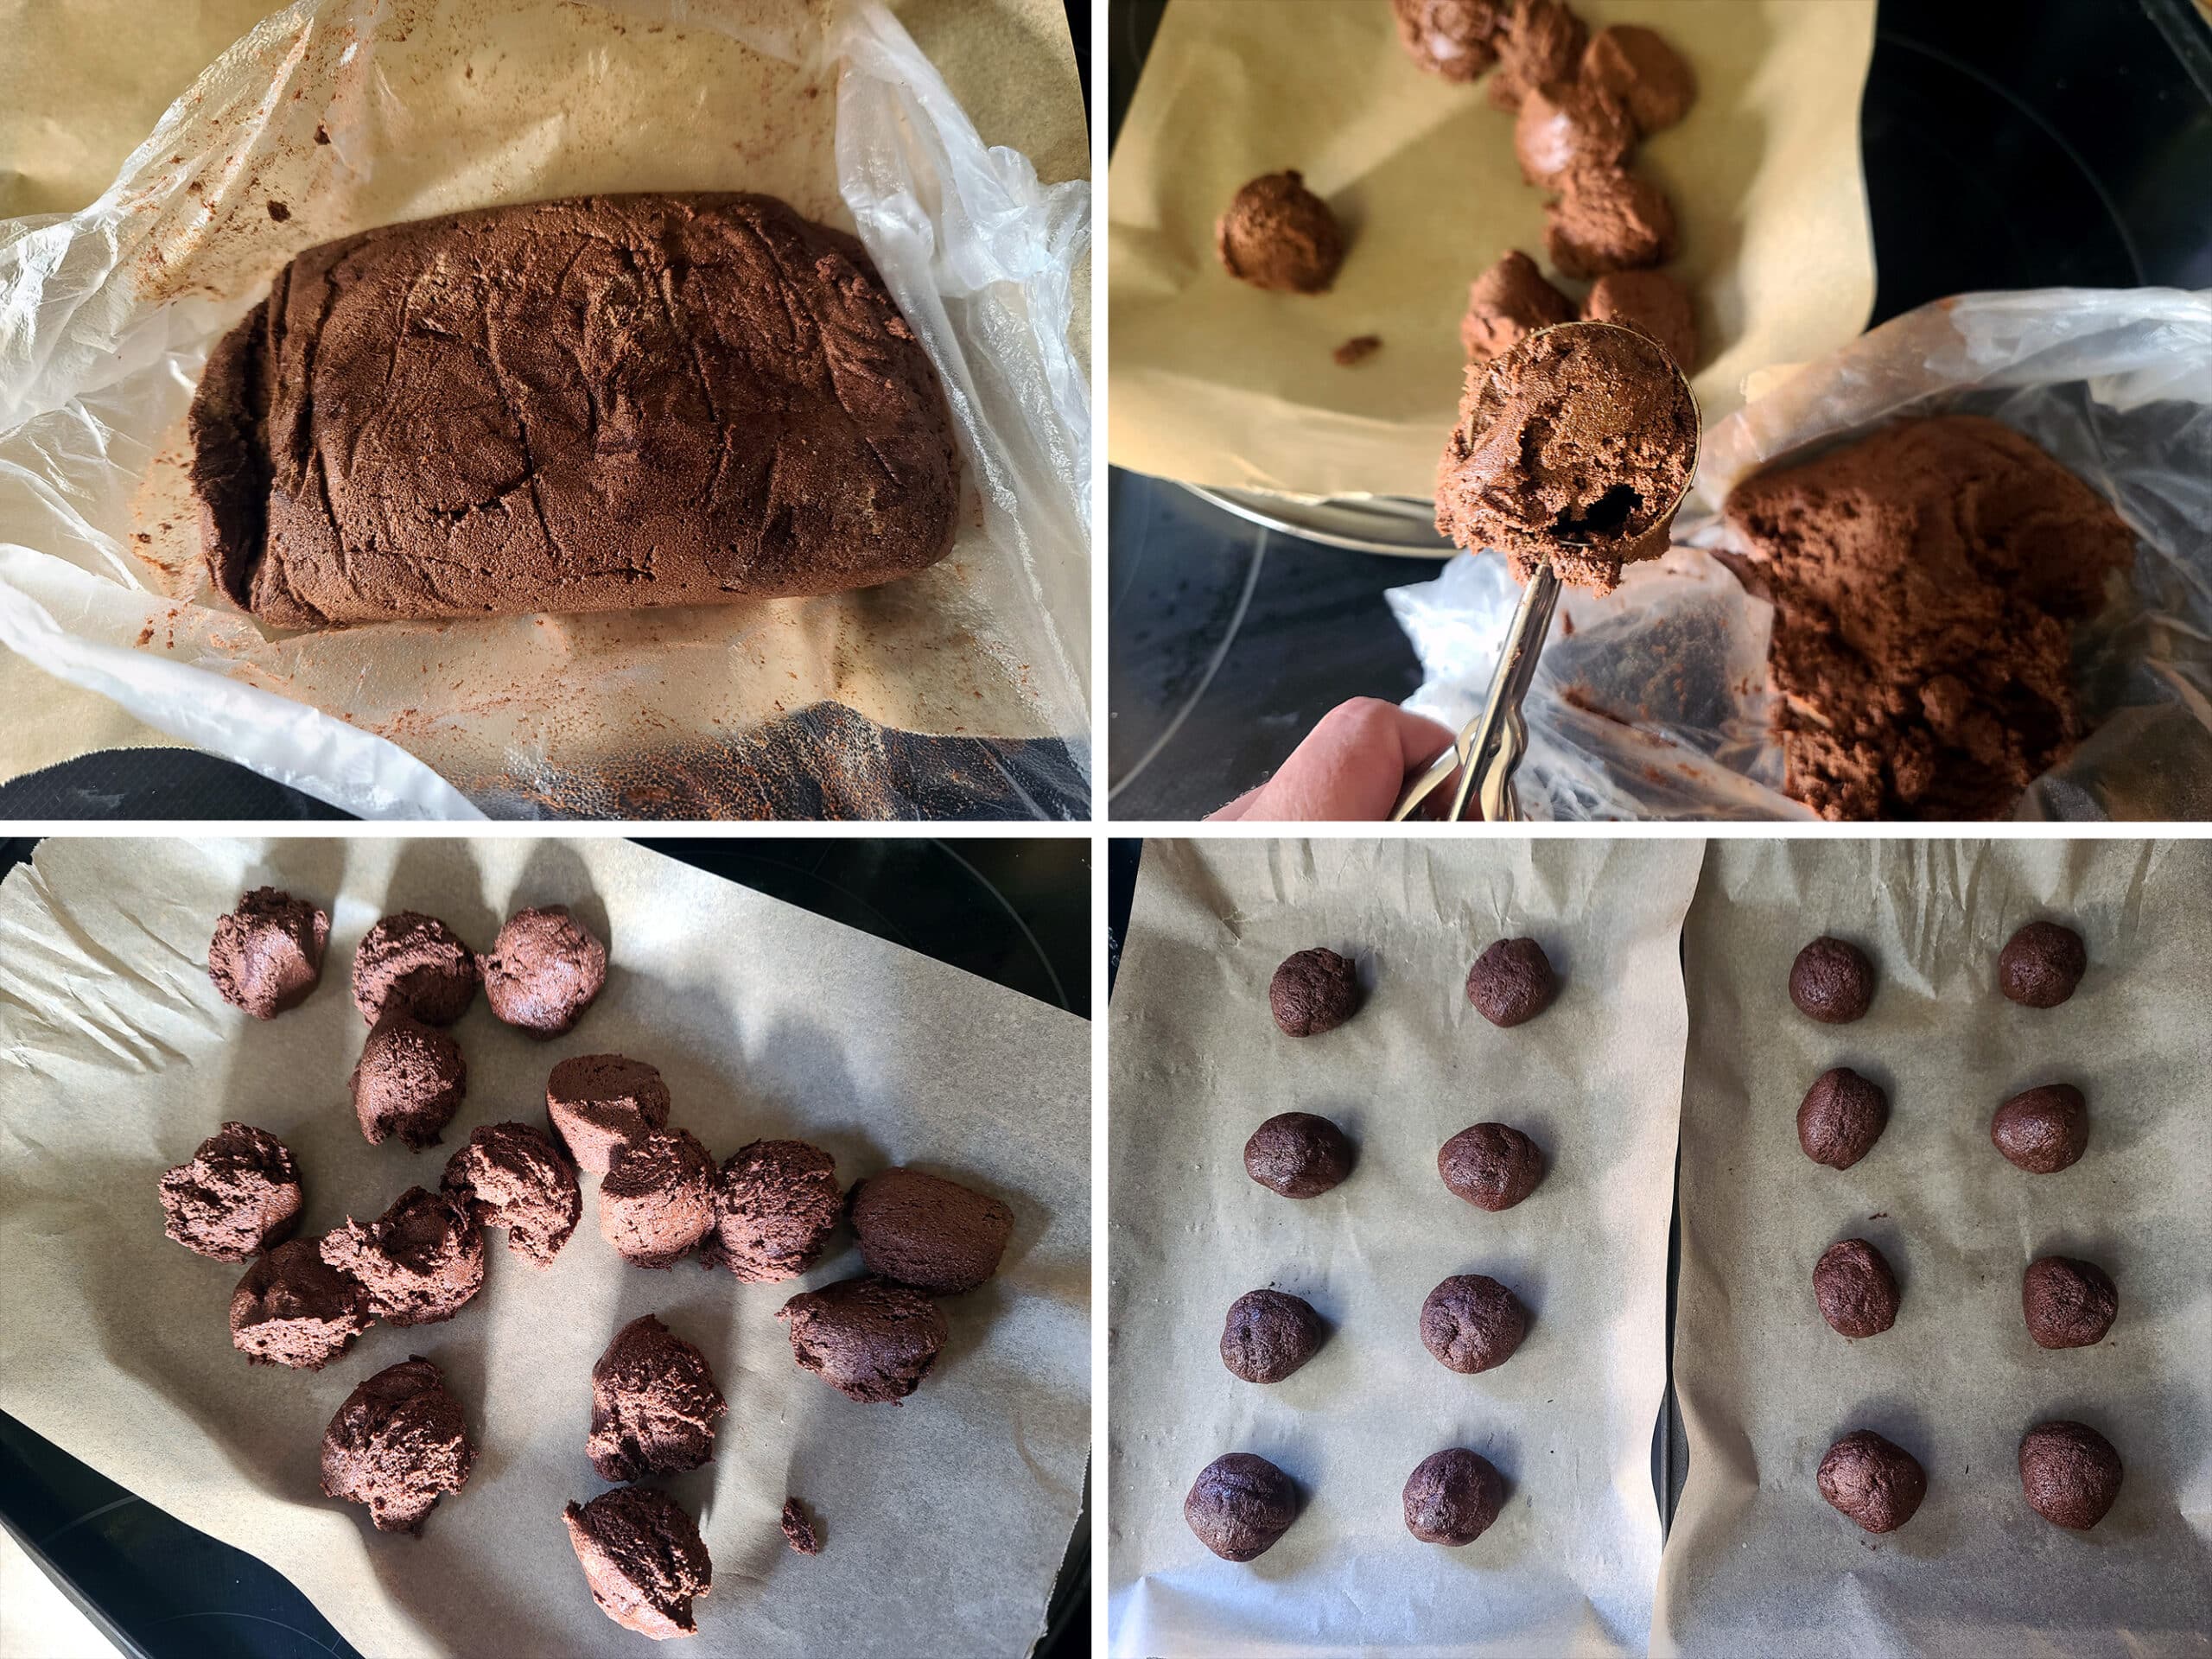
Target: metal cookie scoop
1489,749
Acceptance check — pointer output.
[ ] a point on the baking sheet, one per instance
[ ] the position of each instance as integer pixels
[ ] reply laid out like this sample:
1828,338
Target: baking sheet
1217,383
1756,1562
1197,1062
945,1519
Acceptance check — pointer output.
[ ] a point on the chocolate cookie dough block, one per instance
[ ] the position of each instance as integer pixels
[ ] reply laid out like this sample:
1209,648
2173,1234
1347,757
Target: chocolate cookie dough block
1506,304
414,964
1876,1482
1277,234
238,1195
928,1232
1451,38
293,1309
599,1104
657,1199
871,1341
1268,1334
544,970
1240,1505
653,1404
267,953
1298,1154
776,1204
409,1082
398,1445
2068,1473
643,1558
1313,991
1452,1497
511,1175
2041,965
420,1261
588,405
1491,1165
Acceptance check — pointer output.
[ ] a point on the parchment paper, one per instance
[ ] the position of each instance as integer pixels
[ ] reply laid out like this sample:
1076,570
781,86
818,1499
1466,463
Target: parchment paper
1218,383
945,1519
1756,1562
1197,1062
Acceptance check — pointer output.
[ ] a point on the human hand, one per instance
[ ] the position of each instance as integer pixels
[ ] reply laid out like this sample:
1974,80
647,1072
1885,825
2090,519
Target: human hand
1352,768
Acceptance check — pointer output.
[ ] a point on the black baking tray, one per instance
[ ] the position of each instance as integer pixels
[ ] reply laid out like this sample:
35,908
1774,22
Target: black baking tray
1015,913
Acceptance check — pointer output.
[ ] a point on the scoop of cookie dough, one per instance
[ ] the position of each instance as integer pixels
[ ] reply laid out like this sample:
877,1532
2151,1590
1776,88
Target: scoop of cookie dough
1313,991
599,1104
293,1309
658,1198
776,1204
1832,981
1472,1323
1537,41
1857,1291
1451,38
2067,1303
1564,124
2068,1473
1239,1506
267,953
1453,1497
1651,302
653,1404
2042,1131
1297,1154
1268,1334
511,1175
398,1445
928,1232
545,969
1506,304
1875,1481
1638,67
1277,234
2041,965
420,1261
871,1341
409,1082
1607,219
238,1195
643,1558
1574,447
1491,1165
1511,982
1841,1117
416,965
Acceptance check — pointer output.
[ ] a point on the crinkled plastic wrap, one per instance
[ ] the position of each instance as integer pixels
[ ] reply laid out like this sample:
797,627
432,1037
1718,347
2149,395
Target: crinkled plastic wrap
1654,701
335,115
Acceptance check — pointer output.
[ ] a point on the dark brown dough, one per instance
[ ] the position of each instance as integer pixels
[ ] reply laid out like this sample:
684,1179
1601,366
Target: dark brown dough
398,1444
1472,1323
1491,1165
653,1404
928,1232
776,1204
420,1261
1506,304
871,1341
2068,1473
238,1196
1832,981
1841,1118
2067,1303
799,1528
1297,1154
511,1175
599,1104
1453,1497
416,965
1607,219
1277,234
1564,124
1240,1505
1313,991
1877,1484
1857,1291
1537,41
1268,1334
2041,965
1638,67
2042,1131
545,969
1511,982
293,1309
1451,38
267,953
409,1082
1651,302
643,1558
657,1199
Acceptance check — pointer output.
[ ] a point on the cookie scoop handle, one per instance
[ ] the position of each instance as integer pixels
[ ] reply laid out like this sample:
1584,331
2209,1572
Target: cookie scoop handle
1489,750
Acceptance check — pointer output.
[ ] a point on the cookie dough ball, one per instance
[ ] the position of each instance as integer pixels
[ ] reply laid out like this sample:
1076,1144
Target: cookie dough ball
1511,982
659,1198
1857,1291
2042,1131
1268,1334
871,1341
1277,234
1472,1324
1638,67
1451,1497
267,953
414,964
1832,981
546,968
409,1082
653,1404
1606,218
398,1445
776,1204
1841,1118
2067,1303
1451,38
1240,1505
1312,992
1506,304
239,1195
1651,302
1297,1154
420,1261
1564,124
1538,41
295,1310
511,1175
599,1104
1491,1165
1874,1482
643,1558
928,1232
2068,1473
2041,965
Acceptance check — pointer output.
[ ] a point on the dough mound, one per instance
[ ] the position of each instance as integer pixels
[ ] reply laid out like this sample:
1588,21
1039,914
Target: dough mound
1277,234
1638,67
413,964
1472,1324
653,1404
1297,1154
776,1204
1857,1291
2067,1303
1841,1117
2041,965
1538,41
599,1104
420,1261
1874,1482
1651,302
239,1195
1268,1334
2068,1473
643,1558
1511,982
1506,304
928,1232
1451,38
1239,1505
1832,981
2042,1131
511,1175
398,1445
267,953
1453,1497
410,1081
293,1309
545,969
1565,124
1491,1165
657,1199
871,1341
1606,218
1313,991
